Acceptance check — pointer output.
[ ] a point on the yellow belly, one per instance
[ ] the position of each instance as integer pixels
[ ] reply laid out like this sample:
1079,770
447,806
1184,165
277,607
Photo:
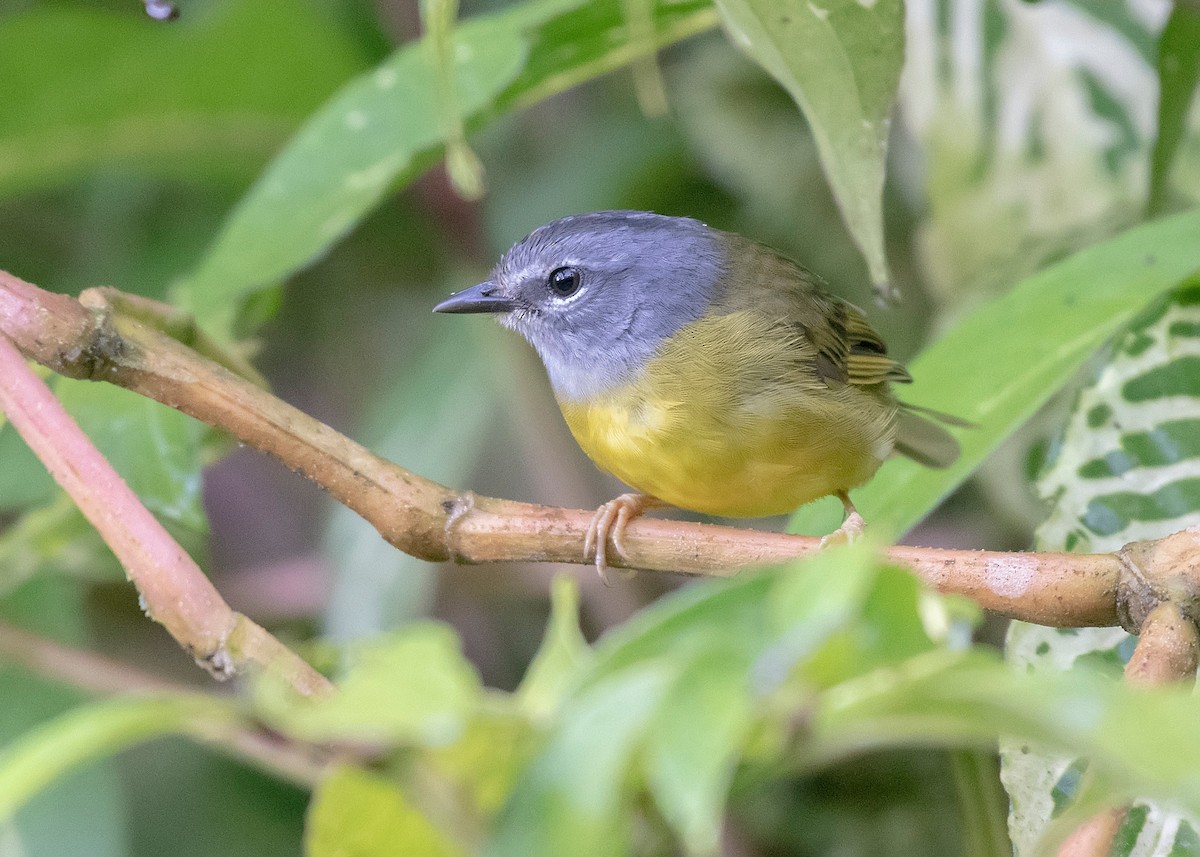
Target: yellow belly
734,431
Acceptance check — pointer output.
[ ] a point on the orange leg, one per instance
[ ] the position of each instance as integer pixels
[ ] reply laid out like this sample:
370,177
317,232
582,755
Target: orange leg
853,525
610,521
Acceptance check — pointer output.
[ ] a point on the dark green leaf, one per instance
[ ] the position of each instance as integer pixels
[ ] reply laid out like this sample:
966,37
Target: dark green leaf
1178,74
215,92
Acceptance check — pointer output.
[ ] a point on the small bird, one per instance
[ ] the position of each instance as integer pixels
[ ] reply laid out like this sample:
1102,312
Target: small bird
703,369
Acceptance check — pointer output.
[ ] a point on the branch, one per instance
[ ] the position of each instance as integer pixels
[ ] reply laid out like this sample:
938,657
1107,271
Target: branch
86,339
173,589
1167,652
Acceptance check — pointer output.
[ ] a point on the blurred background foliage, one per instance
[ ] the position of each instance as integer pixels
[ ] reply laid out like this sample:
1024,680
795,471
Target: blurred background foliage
274,167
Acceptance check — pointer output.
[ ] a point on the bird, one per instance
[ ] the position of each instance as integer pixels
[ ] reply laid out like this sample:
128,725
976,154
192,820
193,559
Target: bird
704,370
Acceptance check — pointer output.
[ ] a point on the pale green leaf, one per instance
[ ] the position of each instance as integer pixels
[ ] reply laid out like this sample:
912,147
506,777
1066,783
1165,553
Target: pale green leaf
572,799
694,744
1035,122
409,687
562,655
355,813
840,60
486,762
1138,741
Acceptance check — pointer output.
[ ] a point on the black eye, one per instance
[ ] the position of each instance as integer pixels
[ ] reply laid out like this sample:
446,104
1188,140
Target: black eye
564,282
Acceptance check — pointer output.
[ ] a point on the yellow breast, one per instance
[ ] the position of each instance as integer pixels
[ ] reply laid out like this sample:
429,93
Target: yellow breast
728,420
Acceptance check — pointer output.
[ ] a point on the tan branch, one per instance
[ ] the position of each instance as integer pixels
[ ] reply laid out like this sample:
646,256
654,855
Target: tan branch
87,340
1167,652
174,591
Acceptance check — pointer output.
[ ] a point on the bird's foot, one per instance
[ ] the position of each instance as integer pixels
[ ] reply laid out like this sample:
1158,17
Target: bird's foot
610,521
852,528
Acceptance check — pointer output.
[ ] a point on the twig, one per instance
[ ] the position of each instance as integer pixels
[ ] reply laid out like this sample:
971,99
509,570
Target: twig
97,675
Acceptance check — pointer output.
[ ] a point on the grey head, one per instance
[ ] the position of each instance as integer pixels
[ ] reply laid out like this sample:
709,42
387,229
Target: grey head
596,294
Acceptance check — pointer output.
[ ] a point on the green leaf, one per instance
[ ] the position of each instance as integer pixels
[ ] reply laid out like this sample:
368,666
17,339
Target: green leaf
694,743
884,629
23,478
156,449
563,653
385,126
409,687
54,538
486,762
572,798
355,813
1178,74
41,756
999,364
840,60
679,687
214,93
462,165
1137,740
982,803
821,596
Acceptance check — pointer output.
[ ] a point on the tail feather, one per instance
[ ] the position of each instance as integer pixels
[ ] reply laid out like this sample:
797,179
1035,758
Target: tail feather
923,441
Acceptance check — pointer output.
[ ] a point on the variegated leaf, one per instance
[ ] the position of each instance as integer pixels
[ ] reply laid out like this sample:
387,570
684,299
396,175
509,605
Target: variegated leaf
1036,122
1127,468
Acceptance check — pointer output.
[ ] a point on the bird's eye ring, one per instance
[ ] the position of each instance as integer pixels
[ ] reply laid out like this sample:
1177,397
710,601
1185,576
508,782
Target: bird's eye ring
564,282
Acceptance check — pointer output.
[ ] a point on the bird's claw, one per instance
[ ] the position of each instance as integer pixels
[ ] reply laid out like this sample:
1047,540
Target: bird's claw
851,530
609,522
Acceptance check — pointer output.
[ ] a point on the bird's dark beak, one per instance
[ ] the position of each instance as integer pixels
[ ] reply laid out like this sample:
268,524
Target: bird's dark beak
480,298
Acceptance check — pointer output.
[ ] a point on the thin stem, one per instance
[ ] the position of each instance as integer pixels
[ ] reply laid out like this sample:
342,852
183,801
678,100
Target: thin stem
982,803
101,676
